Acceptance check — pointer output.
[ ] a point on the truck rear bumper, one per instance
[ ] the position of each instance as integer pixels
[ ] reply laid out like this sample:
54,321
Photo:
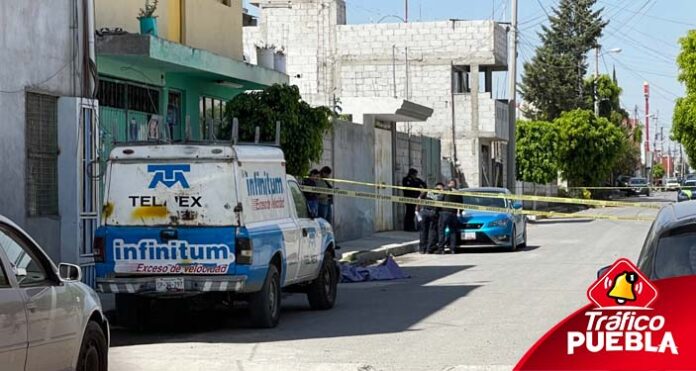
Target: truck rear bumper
192,285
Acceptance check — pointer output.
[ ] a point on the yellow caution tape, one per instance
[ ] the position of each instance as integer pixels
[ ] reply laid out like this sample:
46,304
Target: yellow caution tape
560,200
463,206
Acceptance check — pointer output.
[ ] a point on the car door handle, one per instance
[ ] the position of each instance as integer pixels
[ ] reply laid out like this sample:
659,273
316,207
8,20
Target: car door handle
31,306
304,232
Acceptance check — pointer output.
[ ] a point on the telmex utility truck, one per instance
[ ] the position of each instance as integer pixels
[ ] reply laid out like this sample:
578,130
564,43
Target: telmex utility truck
216,221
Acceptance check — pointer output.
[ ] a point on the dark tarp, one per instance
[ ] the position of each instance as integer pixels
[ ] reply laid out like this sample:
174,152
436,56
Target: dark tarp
387,270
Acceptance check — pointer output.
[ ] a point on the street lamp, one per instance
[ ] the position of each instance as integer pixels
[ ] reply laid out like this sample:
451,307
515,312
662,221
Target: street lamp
597,54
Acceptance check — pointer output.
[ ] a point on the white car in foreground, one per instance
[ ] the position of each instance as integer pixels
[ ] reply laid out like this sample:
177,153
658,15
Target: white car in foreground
49,320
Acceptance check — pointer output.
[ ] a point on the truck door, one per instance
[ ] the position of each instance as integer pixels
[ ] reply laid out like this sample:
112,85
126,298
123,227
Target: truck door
310,240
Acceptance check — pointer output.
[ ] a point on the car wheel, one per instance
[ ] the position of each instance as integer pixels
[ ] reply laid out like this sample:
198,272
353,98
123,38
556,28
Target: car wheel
94,351
513,239
265,304
524,237
321,293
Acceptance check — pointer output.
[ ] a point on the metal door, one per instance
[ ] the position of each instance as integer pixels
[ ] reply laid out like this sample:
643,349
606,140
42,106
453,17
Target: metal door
384,174
89,187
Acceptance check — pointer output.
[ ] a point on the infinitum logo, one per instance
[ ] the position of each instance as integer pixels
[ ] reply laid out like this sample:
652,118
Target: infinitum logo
622,321
169,175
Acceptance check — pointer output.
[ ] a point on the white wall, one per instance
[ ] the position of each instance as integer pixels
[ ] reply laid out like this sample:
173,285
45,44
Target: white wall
38,47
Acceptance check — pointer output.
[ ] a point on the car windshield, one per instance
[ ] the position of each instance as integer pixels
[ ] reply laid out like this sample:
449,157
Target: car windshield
676,254
638,181
484,201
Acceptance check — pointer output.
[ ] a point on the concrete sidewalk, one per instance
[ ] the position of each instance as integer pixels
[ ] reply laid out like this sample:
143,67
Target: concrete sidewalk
378,246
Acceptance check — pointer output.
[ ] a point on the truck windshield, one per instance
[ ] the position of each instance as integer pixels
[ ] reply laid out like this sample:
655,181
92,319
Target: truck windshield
170,193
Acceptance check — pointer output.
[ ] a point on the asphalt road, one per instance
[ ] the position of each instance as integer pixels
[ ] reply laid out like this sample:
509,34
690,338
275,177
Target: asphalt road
474,310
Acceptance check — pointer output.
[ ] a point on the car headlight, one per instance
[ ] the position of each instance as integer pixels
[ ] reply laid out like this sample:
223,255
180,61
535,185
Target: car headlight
499,223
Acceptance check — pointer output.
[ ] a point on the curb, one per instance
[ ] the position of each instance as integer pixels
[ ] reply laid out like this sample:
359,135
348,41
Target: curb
367,257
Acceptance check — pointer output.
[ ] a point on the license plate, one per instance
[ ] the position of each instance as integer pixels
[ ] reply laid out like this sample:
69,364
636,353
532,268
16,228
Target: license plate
169,284
469,236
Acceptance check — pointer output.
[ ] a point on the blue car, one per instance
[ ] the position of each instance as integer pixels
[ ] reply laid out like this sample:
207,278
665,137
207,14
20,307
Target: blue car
503,229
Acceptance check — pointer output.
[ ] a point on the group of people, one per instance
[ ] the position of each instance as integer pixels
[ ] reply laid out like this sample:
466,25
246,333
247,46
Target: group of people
438,226
320,204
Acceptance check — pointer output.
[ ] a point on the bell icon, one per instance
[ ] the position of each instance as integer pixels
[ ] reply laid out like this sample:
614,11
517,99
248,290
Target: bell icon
622,291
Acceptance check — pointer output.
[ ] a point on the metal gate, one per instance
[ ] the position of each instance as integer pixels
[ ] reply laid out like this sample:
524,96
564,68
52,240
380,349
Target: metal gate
89,186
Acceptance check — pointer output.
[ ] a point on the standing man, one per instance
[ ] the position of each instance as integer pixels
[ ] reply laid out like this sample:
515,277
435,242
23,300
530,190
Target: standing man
411,180
448,223
428,221
312,198
325,201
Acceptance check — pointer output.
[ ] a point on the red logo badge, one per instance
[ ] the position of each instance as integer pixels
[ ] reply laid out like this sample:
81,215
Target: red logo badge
622,286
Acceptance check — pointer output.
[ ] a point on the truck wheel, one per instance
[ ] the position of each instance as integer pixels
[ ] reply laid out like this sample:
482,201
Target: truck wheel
94,350
265,304
132,311
321,293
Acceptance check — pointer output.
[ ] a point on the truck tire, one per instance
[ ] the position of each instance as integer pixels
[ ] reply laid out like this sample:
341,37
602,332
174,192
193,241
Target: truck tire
94,349
132,311
321,293
264,306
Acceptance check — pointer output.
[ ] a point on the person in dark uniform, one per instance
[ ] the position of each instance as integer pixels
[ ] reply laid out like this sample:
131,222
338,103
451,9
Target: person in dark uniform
411,180
448,223
312,198
427,216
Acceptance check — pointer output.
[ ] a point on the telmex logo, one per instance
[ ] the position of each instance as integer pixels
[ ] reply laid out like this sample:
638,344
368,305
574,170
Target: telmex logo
169,175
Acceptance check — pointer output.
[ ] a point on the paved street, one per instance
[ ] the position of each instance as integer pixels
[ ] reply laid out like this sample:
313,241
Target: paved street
475,308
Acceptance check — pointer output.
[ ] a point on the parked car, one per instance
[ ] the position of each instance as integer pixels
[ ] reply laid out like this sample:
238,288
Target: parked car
504,229
691,176
622,180
218,222
638,186
669,247
49,320
672,184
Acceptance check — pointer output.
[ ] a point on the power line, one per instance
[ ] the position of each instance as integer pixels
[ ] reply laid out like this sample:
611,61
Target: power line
675,21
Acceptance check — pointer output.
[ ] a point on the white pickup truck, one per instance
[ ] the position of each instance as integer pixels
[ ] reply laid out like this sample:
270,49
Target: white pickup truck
219,221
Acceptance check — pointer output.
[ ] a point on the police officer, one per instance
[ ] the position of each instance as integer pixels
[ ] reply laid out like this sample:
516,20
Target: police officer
411,180
427,216
448,223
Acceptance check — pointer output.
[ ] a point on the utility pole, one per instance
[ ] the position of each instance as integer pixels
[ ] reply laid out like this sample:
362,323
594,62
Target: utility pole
406,11
512,91
648,158
596,81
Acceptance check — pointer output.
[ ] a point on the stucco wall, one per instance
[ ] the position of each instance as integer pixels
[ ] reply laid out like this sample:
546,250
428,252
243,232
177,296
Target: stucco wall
202,24
35,56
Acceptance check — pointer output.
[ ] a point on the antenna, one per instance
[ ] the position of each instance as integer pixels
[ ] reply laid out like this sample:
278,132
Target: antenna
277,136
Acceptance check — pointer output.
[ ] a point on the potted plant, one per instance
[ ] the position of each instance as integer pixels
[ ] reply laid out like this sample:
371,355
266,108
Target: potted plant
148,21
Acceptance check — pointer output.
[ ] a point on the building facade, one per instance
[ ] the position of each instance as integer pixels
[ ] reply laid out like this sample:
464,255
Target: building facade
179,79
447,66
49,127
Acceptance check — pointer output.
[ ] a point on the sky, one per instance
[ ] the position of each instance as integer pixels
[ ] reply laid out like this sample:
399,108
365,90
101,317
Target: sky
646,31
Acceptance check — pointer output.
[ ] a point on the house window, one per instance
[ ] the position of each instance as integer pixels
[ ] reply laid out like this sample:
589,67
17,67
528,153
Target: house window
212,112
42,155
461,81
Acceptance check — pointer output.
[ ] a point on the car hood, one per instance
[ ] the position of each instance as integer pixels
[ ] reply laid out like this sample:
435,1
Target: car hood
473,216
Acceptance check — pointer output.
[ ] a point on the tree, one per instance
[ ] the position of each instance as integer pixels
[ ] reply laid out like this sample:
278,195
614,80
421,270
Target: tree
658,171
608,93
536,151
684,117
552,82
302,126
588,147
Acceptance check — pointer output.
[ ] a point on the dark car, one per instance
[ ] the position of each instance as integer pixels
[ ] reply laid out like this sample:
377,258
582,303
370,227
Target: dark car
638,186
622,181
670,246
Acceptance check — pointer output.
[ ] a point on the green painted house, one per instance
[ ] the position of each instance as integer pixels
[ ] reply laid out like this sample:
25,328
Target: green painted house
153,88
